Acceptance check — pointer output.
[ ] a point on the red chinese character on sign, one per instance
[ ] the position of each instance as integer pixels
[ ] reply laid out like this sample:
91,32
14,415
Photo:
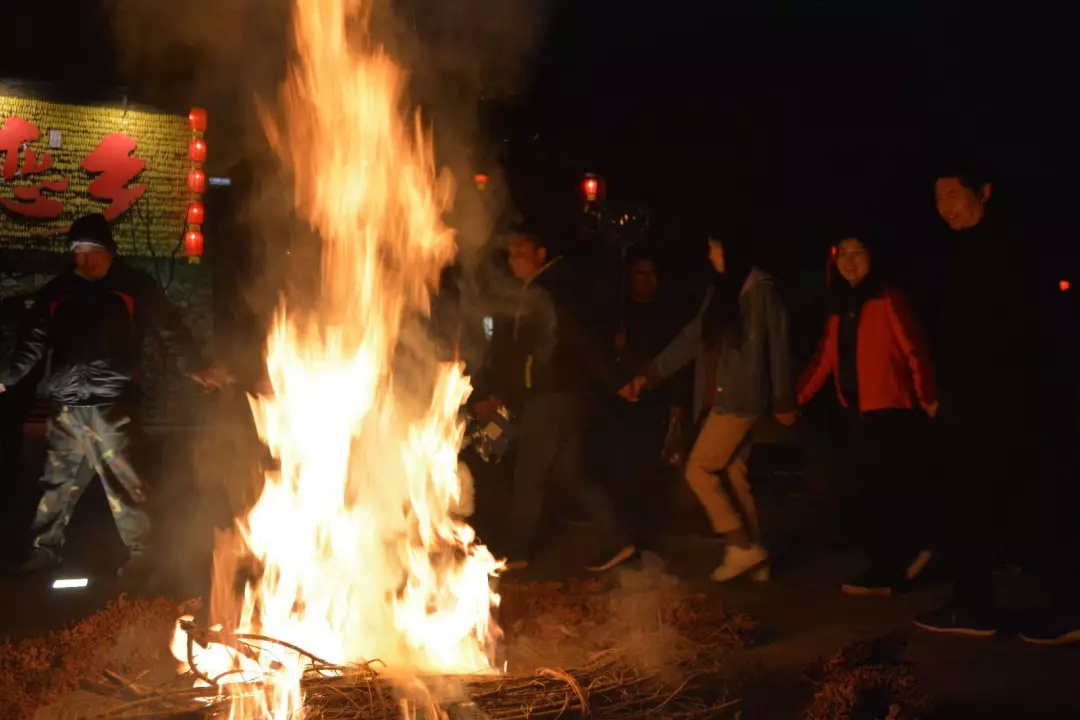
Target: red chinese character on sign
110,158
14,135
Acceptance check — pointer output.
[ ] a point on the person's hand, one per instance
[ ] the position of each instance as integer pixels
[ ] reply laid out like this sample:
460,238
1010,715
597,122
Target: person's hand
484,410
631,391
787,419
213,378
3,389
620,340
931,408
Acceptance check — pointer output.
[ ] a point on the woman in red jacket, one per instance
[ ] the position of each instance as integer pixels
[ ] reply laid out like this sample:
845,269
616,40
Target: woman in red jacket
874,349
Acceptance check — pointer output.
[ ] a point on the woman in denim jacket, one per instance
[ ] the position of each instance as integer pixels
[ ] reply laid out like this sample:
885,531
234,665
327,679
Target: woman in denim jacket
739,338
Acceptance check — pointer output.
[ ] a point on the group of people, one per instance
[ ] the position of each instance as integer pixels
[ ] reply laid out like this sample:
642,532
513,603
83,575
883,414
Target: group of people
541,364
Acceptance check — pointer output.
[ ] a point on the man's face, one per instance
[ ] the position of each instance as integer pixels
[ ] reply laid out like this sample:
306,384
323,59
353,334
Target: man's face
643,280
92,261
960,207
525,257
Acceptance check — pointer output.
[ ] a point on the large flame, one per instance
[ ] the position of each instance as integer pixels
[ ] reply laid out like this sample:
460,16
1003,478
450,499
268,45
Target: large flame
360,556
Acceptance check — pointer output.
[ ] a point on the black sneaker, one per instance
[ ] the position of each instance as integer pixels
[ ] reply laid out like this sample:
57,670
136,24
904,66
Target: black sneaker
1052,630
611,557
871,582
39,560
952,620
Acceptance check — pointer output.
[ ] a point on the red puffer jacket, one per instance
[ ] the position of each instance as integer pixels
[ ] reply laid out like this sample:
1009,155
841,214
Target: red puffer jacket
892,358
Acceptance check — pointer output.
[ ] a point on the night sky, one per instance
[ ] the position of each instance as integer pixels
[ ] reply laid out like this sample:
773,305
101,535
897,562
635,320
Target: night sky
796,118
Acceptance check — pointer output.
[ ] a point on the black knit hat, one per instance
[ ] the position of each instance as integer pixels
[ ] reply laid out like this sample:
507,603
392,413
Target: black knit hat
92,230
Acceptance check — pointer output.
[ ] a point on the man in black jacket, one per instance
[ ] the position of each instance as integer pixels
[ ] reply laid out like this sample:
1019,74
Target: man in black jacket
91,323
1002,452
541,363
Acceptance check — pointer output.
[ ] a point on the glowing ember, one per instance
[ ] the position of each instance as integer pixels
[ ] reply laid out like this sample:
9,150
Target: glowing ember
358,553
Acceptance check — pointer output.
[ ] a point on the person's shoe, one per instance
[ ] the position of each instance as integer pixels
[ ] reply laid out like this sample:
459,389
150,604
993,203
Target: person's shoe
871,582
1052,630
952,620
918,564
611,557
138,566
39,560
738,561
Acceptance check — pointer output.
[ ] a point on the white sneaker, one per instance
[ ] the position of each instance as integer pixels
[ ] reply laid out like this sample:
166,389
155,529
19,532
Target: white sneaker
738,561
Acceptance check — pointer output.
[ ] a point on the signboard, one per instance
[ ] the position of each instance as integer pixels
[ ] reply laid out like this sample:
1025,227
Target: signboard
59,161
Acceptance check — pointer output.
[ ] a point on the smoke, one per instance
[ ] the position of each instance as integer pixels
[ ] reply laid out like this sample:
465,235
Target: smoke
231,57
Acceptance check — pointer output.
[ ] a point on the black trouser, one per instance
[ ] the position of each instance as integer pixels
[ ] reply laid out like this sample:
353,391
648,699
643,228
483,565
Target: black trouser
889,464
550,456
639,479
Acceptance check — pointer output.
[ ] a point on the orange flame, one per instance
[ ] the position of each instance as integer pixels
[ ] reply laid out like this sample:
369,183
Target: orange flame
360,554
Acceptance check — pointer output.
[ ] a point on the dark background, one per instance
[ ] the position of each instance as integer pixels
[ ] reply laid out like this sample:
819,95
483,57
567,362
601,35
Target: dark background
792,120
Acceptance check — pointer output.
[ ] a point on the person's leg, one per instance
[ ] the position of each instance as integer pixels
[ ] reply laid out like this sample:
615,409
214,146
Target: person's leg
568,474
67,473
738,472
538,445
976,450
719,442
127,494
720,438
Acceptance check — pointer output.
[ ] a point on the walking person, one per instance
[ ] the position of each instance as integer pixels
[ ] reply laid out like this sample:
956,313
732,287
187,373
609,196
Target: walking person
876,353
541,364
91,324
990,344
739,338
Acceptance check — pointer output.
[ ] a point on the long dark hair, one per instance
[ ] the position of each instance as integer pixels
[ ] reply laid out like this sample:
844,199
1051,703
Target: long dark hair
722,321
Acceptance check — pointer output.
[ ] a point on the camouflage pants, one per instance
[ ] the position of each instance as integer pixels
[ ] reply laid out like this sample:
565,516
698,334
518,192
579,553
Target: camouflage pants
84,442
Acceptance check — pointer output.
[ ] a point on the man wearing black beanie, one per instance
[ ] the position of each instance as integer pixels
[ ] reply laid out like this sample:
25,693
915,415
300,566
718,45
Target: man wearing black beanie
92,323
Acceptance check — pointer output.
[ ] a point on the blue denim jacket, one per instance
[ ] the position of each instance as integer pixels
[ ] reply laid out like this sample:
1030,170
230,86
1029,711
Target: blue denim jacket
754,377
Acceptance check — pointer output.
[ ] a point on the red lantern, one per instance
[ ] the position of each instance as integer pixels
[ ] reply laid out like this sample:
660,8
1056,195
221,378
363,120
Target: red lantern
195,213
591,186
196,180
1064,285
193,244
197,119
481,181
197,150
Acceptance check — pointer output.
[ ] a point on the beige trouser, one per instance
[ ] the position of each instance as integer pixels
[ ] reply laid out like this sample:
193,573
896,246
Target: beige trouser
724,444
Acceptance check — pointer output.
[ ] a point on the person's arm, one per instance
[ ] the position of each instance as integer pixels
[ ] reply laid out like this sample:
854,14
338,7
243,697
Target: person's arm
34,342
682,349
821,367
909,337
779,351
583,346
163,318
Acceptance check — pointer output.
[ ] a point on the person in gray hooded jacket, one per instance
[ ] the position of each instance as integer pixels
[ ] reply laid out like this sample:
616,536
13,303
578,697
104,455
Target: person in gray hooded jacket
739,338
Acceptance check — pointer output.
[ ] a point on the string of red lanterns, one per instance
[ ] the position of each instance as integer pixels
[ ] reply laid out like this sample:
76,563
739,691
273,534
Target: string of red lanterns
196,213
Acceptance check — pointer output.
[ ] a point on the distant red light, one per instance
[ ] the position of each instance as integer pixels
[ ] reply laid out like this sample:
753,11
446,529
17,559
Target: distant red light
480,180
197,150
196,181
1064,285
195,213
193,244
197,119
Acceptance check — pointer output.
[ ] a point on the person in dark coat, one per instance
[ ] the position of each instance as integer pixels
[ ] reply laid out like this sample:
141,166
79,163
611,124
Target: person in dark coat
541,364
994,412
875,351
91,324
